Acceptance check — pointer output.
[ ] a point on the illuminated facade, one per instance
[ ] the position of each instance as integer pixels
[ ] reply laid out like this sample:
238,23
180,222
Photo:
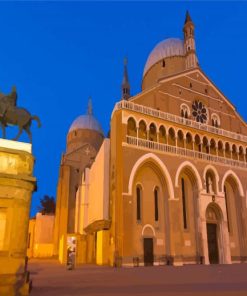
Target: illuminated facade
169,185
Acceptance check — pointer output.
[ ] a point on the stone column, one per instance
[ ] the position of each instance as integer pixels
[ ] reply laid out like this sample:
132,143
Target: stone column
16,186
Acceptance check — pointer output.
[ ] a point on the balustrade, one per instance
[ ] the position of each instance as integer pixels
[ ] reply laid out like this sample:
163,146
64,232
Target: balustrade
184,152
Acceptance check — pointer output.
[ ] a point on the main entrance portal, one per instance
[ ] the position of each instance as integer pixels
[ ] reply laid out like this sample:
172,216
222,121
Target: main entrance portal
213,252
148,251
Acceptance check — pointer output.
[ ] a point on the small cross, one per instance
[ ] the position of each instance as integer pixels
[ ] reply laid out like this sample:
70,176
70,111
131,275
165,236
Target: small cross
87,151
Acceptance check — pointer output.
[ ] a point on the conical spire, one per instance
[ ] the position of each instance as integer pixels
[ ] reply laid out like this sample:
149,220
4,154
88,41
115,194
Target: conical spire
187,17
189,43
89,106
125,82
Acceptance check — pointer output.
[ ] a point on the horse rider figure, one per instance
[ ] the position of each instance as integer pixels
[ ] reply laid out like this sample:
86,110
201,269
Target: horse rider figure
8,101
11,115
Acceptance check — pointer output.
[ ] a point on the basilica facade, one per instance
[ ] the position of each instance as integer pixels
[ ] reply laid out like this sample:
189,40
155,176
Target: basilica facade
168,186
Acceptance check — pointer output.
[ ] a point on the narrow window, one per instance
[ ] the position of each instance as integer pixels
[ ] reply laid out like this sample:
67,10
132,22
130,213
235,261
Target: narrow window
227,214
29,240
163,63
190,85
138,203
184,205
156,205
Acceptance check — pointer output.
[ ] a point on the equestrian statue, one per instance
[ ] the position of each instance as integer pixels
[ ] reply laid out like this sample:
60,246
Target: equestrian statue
10,114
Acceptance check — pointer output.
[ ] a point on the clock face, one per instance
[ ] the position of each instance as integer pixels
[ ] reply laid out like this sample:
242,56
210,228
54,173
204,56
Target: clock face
199,112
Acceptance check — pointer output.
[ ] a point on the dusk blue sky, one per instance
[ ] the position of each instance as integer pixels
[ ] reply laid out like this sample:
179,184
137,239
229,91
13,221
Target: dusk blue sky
60,53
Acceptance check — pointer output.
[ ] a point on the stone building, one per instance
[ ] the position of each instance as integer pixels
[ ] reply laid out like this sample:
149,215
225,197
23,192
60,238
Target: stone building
169,185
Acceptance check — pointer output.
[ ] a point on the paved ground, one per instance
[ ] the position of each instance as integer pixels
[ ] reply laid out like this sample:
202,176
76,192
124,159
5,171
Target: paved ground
51,278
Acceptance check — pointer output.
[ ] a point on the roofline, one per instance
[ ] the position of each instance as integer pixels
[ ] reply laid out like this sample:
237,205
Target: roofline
194,70
172,56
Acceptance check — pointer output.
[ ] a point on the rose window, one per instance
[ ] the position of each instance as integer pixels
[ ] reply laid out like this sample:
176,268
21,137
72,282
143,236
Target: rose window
199,112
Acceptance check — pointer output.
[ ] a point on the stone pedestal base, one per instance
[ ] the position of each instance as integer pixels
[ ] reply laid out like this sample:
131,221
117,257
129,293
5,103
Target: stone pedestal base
16,187
13,285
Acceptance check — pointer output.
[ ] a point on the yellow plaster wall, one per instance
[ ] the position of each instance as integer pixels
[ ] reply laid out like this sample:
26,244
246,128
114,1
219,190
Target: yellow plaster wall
102,247
41,236
43,250
99,185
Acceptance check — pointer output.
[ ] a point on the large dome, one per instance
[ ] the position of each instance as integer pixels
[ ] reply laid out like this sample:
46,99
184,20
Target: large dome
86,122
167,48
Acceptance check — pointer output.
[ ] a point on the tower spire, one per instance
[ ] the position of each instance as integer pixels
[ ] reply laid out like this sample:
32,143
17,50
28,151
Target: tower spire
125,82
189,43
89,106
187,18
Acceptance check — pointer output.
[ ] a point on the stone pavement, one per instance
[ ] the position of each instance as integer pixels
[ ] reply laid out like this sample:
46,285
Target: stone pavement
51,278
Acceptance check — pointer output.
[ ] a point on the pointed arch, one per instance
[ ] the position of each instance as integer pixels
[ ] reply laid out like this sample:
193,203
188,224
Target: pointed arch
210,167
155,159
236,178
194,170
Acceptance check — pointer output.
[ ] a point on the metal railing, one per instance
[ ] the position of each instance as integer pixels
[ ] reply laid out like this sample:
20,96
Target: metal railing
184,152
177,119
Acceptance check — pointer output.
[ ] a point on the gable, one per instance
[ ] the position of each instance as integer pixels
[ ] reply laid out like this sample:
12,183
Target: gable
185,88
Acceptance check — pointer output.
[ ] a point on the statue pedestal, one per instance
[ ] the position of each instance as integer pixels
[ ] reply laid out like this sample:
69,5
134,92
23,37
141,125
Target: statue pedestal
16,186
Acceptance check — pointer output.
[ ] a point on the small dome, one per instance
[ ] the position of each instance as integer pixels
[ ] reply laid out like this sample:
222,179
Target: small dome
167,48
86,122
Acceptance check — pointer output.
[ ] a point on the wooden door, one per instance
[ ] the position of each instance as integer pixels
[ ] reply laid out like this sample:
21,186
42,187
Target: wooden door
213,251
148,252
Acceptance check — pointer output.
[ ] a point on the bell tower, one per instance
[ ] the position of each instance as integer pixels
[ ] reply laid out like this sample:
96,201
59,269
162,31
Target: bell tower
125,82
189,43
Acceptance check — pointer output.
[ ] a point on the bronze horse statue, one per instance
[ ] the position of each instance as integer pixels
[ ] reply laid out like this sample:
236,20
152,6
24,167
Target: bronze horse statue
12,115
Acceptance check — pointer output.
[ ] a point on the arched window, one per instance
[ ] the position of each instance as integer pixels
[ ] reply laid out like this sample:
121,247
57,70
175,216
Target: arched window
180,140
171,137
152,133
156,204
205,145
215,120
184,111
131,127
189,141
212,146
220,149
227,150
162,134
197,145
241,153
138,203
184,204
142,130
234,152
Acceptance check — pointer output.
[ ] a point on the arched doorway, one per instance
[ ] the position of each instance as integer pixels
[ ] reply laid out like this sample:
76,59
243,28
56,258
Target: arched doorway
148,233
150,207
213,220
